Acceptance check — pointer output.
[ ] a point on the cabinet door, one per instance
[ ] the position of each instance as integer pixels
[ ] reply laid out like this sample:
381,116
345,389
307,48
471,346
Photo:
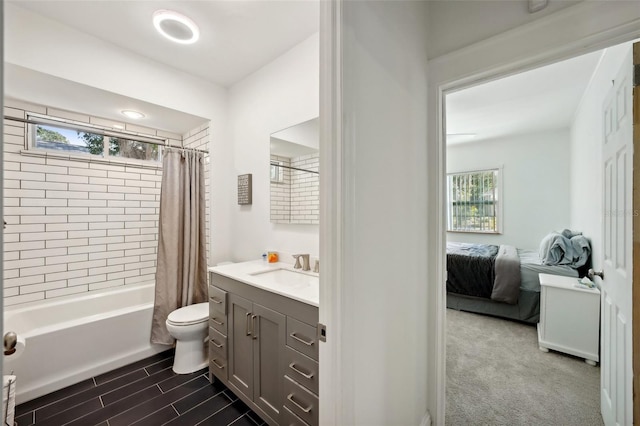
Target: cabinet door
268,360
240,344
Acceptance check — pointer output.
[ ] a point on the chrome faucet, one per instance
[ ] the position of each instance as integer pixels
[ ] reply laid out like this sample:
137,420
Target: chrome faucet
305,262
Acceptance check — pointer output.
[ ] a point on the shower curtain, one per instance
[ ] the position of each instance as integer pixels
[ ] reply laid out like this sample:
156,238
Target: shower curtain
181,273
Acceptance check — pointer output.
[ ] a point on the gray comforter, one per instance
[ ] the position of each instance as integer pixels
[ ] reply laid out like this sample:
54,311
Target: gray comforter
483,270
506,285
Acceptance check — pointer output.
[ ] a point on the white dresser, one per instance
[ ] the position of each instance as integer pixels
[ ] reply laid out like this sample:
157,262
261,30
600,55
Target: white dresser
569,318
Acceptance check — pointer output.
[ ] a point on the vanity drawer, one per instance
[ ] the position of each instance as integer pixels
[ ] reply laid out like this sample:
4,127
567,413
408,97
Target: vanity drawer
217,300
290,419
302,369
300,401
302,337
217,343
218,367
218,322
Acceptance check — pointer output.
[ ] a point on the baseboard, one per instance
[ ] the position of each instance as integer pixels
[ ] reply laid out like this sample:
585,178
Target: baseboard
426,419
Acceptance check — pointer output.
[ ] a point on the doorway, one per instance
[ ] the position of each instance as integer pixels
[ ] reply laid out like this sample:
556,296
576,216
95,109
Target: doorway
509,155
517,231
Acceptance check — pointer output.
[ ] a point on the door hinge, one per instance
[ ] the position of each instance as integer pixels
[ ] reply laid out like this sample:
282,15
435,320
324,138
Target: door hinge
322,332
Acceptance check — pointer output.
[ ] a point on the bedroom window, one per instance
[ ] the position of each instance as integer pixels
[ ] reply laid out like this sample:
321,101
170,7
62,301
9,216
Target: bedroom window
473,202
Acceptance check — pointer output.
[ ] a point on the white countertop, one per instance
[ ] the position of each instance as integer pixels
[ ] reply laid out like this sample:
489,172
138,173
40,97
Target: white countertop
250,273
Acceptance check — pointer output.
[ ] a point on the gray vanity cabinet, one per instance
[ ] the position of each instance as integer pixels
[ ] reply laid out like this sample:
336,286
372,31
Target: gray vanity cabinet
256,353
240,344
272,362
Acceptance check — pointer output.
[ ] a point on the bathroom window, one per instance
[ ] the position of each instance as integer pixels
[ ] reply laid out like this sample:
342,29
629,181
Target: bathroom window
72,139
276,172
473,202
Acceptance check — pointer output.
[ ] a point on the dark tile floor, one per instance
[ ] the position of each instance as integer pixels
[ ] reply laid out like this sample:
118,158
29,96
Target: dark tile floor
146,392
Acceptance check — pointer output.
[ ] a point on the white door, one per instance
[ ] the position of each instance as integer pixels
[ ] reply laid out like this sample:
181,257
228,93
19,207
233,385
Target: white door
616,392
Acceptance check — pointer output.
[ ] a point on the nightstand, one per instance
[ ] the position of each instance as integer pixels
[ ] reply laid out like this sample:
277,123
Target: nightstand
569,318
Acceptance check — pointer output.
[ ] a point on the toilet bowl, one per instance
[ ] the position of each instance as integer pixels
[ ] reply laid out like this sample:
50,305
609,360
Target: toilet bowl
188,325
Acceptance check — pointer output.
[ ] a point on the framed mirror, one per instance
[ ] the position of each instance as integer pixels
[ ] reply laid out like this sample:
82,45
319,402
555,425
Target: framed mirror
295,185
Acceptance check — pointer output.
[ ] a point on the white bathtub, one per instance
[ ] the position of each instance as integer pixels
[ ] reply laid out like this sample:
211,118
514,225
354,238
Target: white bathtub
73,338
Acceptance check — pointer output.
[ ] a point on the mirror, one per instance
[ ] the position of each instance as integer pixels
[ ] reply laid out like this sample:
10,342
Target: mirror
295,185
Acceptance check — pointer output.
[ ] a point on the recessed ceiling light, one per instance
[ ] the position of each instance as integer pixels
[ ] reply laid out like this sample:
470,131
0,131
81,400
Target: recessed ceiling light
133,114
118,126
175,26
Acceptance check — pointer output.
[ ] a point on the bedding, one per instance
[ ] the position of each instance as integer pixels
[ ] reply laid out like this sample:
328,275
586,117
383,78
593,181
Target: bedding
518,284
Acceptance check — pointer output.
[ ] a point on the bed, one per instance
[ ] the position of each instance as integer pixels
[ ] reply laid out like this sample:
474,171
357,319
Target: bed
503,280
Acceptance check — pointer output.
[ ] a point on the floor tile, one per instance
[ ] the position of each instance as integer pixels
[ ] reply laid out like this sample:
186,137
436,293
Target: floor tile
228,415
244,421
155,404
138,385
160,365
158,418
70,415
118,407
139,365
202,411
71,401
53,397
187,403
179,379
144,393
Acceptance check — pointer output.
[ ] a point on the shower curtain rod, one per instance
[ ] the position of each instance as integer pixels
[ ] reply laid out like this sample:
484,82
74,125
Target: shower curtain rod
161,142
294,168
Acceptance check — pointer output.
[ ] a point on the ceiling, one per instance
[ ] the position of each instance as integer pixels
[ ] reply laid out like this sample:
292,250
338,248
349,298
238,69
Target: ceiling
542,99
45,89
237,37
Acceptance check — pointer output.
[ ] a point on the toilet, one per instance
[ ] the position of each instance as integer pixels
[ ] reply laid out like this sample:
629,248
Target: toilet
189,326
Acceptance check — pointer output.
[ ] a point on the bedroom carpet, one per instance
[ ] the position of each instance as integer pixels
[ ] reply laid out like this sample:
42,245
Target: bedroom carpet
496,375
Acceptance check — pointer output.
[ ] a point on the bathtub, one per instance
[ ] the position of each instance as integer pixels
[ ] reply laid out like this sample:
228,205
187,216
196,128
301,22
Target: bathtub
73,338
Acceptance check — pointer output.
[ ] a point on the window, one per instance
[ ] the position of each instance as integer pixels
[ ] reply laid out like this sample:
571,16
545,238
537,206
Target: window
276,171
473,202
76,139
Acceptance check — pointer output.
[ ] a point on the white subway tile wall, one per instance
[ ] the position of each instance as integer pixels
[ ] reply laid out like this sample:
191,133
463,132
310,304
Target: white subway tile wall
76,225
305,190
297,198
198,138
281,193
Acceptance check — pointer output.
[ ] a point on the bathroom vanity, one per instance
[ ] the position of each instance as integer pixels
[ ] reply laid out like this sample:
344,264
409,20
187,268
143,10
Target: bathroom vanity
263,338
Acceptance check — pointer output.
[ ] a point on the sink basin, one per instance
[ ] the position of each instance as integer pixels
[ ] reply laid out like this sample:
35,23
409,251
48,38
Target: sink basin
286,278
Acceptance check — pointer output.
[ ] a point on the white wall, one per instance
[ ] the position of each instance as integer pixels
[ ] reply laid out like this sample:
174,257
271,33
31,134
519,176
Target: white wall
381,374
535,183
35,42
587,207
456,24
279,95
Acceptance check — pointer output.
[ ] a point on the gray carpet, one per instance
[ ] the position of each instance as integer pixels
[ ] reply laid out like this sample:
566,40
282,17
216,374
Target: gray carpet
496,375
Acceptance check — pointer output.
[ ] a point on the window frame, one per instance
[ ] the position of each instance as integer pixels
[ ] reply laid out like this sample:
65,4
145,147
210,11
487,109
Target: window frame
498,201
34,120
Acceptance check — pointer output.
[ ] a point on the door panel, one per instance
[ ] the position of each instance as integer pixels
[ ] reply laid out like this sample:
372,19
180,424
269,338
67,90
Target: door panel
616,336
268,358
240,344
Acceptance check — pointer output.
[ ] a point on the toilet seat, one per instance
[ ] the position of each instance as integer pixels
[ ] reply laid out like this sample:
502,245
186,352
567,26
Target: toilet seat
189,315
